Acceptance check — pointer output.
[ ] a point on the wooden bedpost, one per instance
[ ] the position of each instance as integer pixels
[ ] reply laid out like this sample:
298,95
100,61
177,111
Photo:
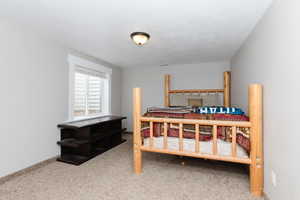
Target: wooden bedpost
167,89
227,89
256,137
137,153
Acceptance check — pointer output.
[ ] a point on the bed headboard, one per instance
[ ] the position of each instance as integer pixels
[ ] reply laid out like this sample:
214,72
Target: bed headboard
226,90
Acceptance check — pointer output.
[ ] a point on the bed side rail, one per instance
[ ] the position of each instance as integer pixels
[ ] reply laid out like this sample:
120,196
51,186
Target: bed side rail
196,153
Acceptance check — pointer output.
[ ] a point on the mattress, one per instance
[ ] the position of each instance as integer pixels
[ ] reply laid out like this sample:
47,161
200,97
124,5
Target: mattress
224,148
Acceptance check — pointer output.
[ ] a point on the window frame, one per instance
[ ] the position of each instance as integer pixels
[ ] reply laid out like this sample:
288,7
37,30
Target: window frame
75,61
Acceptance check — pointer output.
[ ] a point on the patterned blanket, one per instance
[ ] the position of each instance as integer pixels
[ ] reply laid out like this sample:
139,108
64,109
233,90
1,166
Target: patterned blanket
224,133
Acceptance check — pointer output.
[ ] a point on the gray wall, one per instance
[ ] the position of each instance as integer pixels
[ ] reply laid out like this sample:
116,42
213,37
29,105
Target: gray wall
270,56
150,79
34,96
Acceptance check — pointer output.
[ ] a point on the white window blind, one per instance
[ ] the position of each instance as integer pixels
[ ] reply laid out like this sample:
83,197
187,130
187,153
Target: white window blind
88,92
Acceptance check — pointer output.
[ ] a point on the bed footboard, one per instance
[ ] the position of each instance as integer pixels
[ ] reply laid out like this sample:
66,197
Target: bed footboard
255,160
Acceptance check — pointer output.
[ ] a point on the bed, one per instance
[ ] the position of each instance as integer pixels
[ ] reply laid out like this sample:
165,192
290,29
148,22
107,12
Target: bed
224,137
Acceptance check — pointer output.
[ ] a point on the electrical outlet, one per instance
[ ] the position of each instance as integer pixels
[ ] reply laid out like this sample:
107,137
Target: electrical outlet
274,178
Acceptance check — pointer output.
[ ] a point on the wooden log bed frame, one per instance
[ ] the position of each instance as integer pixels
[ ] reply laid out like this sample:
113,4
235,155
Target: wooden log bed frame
255,159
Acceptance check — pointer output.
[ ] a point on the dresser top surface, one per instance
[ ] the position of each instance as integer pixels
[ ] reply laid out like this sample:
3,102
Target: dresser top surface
90,122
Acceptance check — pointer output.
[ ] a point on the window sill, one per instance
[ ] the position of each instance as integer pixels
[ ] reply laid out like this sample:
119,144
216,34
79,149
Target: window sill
76,119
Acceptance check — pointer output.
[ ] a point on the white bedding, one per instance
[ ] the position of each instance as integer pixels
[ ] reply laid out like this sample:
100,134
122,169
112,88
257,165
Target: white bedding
224,148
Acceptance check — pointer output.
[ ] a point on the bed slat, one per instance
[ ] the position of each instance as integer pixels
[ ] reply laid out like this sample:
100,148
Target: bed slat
165,135
197,144
233,144
215,144
180,137
151,134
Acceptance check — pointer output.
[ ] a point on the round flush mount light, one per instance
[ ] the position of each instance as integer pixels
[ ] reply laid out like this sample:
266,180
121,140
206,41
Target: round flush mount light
140,38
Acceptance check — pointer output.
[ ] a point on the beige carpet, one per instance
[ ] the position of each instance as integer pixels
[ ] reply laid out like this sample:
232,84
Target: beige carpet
110,177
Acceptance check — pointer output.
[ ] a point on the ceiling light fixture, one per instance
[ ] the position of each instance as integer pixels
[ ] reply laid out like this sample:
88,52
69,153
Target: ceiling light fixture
140,38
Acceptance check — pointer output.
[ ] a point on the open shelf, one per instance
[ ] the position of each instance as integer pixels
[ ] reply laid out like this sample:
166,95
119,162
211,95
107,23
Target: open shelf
83,140
73,159
72,142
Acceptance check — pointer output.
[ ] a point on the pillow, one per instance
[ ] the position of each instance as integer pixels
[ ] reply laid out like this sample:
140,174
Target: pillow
219,110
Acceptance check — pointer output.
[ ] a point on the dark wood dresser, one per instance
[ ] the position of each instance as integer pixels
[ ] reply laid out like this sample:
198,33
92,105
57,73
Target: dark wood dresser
85,139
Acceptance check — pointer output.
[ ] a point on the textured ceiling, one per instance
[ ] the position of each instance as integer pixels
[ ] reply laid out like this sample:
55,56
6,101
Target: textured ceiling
187,31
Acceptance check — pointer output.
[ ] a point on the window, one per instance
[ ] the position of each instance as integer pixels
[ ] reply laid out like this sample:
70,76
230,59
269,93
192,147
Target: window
89,89
88,94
